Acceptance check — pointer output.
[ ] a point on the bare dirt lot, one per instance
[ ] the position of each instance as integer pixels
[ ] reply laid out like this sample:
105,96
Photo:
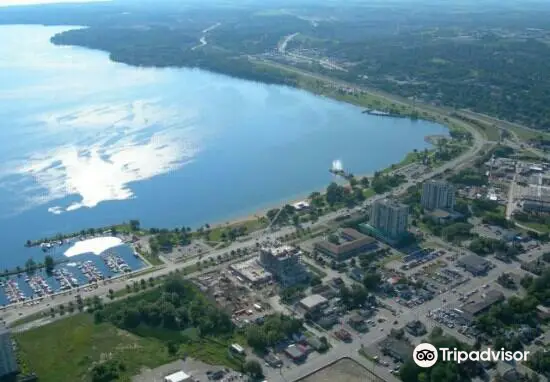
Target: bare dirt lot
344,370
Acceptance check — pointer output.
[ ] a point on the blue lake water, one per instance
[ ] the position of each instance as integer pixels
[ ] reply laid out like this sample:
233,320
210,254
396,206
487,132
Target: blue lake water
86,142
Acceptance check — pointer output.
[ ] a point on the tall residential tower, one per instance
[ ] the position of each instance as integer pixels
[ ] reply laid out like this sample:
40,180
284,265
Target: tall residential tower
438,195
390,217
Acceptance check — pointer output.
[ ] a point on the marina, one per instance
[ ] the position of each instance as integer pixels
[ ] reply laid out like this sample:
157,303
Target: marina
81,271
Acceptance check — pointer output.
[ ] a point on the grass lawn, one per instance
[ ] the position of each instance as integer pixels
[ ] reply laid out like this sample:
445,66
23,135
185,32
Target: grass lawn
409,158
251,226
66,349
368,193
536,226
389,259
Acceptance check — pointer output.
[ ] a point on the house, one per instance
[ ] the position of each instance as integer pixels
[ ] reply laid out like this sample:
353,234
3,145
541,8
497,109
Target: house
295,353
316,343
397,349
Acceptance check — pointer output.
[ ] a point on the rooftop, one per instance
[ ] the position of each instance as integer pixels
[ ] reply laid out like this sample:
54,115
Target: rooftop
352,240
313,301
178,376
399,347
251,270
282,251
491,297
391,203
473,261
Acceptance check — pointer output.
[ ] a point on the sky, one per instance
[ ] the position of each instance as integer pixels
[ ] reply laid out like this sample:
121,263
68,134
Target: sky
7,3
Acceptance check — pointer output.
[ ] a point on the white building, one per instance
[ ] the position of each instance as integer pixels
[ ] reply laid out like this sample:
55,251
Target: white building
178,376
438,195
390,218
8,363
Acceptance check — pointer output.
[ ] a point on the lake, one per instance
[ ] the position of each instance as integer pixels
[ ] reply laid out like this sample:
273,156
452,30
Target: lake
87,142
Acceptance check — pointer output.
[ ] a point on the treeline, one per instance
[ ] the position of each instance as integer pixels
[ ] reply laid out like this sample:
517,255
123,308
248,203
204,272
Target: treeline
170,47
274,329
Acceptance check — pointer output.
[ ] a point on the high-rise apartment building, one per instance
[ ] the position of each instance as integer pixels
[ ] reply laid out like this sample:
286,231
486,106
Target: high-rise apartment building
284,263
438,195
390,218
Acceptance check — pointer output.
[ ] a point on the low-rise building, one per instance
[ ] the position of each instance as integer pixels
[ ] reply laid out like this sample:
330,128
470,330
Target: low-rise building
313,303
252,272
488,299
474,264
399,350
351,243
295,353
178,376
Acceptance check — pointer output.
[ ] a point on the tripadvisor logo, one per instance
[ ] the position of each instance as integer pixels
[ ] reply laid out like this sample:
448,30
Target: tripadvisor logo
426,355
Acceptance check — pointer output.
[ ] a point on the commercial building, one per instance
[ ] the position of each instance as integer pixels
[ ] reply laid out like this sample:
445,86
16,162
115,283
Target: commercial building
475,264
536,205
490,298
252,272
351,243
313,303
438,195
285,264
389,219
8,363
178,376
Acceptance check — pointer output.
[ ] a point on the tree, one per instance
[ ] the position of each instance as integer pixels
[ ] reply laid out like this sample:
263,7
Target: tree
134,225
30,266
49,264
333,239
372,281
253,369
335,193
172,347
107,371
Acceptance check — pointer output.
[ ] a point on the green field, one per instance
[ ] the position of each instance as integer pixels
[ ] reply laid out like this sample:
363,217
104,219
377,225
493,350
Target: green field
66,350
250,225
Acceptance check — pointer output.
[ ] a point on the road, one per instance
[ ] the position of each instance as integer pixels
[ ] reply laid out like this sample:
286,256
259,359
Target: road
202,40
282,46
